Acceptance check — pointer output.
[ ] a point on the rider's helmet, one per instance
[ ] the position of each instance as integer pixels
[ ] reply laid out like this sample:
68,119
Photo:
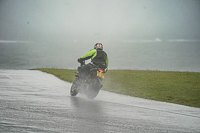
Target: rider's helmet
98,46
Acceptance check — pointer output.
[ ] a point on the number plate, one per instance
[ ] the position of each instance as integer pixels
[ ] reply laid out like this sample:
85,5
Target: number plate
100,74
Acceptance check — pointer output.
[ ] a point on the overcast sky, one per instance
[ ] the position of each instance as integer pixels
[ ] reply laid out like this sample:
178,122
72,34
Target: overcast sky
99,20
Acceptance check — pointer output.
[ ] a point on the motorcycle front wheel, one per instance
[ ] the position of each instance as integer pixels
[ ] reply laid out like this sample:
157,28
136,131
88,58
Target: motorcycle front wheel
73,90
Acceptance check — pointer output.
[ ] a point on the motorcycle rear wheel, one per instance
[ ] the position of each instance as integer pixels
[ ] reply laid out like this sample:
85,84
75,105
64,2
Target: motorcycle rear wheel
93,89
92,95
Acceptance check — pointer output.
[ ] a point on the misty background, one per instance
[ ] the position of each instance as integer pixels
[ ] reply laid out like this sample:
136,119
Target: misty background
155,35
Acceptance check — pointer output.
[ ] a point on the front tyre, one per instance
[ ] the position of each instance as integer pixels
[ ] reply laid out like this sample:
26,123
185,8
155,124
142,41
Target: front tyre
73,90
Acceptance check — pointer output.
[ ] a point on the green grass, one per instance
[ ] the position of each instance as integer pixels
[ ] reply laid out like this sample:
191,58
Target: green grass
174,87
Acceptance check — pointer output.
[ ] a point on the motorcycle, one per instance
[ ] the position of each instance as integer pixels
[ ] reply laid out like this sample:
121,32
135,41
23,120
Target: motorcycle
89,85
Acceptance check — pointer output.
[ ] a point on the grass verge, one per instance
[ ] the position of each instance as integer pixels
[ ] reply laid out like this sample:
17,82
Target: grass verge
174,87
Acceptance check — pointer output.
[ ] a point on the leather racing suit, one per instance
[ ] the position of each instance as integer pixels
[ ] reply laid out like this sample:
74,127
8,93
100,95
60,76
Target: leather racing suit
98,58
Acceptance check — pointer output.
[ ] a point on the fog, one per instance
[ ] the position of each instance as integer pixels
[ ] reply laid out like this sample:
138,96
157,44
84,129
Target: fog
144,34
99,20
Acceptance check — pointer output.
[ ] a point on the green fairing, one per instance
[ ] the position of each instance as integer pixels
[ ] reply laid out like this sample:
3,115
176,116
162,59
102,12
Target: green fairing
91,54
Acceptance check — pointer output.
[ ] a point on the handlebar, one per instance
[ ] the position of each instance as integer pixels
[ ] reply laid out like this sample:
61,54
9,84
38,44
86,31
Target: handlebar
82,63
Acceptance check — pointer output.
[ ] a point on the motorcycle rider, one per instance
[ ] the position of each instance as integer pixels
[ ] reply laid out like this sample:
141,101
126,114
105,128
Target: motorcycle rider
99,59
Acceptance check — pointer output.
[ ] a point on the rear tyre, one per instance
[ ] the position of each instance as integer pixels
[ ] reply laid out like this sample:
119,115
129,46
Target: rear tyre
73,90
92,94
93,89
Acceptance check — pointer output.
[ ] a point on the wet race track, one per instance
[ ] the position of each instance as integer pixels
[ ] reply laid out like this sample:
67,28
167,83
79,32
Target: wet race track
33,101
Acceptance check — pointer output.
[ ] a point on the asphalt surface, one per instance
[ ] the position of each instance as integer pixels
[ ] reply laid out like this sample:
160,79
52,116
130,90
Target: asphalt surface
33,101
